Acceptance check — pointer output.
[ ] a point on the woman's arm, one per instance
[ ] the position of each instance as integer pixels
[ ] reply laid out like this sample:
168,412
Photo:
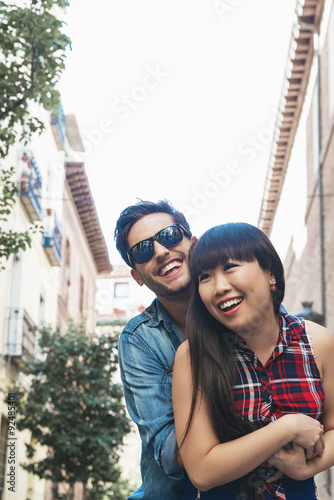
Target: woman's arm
293,462
210,463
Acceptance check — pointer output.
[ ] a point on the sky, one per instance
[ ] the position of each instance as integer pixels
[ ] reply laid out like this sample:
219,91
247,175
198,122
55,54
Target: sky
176,100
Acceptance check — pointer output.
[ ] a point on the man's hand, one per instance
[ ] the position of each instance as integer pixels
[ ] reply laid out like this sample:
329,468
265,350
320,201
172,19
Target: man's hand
290,461
273,475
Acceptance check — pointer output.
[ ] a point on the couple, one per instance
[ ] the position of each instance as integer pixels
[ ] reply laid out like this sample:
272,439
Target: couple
249,380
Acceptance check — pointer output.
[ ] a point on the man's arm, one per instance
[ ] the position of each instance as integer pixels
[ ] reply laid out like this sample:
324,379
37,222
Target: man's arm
148,398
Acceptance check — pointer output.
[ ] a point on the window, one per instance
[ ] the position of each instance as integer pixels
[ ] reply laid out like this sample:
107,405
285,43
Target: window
121,290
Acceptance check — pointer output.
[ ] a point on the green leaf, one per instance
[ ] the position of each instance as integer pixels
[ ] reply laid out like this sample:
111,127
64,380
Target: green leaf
74,408
33,58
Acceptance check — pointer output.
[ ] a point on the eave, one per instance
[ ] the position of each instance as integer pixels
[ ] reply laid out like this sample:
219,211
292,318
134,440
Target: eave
79,186
297,74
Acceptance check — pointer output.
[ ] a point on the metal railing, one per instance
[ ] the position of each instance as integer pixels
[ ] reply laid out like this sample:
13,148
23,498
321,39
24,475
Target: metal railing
30,181
21,335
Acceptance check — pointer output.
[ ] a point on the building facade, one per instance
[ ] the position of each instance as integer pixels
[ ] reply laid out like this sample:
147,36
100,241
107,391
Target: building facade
52,282
118,299
298,201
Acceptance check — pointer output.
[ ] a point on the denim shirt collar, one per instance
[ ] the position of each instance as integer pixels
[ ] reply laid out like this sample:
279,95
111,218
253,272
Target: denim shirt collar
157,313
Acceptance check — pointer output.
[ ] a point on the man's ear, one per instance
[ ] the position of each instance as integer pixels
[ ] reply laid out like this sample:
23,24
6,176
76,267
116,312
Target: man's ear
135,276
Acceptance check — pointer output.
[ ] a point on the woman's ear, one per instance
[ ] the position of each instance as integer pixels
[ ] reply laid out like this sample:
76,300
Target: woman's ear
272,282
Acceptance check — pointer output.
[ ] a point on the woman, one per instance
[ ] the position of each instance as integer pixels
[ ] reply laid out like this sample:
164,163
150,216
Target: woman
246,383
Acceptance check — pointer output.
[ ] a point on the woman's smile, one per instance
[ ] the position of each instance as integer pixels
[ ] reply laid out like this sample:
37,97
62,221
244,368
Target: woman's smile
234,293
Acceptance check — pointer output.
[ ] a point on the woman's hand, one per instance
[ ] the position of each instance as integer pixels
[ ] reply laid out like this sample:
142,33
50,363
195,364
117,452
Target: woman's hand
290,461
309,434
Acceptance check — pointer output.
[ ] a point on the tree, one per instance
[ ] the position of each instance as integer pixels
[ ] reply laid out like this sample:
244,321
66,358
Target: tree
75,410
11,242
32,58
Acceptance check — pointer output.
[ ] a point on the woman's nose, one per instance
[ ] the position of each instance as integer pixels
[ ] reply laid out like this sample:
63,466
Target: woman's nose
222,285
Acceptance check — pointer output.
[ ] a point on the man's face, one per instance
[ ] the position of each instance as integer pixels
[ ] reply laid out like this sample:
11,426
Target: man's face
167,272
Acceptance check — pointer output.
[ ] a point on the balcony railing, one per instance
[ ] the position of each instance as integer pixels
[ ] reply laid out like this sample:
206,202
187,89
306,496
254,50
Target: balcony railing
30,185
52,238
21,335
58,125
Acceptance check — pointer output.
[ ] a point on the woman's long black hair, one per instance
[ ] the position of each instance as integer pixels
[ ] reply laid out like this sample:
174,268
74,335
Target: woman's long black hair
211,343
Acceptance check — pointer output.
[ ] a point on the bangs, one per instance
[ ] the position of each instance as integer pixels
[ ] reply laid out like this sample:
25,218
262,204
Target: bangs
218,245
237,241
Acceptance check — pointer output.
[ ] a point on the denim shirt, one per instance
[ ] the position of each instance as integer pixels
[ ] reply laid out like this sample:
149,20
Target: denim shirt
147,349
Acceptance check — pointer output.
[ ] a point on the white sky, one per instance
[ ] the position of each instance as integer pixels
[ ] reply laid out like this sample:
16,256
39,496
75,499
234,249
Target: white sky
176,99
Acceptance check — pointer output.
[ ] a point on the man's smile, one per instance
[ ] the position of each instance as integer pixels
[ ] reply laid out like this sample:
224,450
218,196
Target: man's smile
170,268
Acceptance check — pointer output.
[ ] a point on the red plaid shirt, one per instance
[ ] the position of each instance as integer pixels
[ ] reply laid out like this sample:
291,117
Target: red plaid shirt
288,383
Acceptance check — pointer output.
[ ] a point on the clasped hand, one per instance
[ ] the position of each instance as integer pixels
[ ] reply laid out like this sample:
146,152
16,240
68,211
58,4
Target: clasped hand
292,460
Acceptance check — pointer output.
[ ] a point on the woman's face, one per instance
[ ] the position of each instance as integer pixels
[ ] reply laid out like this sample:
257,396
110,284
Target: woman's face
238,295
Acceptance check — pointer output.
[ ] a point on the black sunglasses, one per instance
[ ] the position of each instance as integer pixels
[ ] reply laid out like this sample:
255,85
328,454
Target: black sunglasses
169,237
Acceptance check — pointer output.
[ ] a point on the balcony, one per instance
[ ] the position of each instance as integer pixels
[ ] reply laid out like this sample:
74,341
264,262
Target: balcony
58,125
21,336
30,185
52,238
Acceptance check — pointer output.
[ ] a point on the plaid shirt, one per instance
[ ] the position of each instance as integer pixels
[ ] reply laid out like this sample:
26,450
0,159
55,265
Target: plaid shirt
288,383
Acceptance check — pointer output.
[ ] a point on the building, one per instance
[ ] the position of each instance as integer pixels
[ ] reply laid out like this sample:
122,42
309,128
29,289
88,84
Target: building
54,280
84,250
29,283
118,299
298,203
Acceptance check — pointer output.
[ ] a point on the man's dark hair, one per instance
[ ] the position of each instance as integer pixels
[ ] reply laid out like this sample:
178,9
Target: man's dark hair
130,215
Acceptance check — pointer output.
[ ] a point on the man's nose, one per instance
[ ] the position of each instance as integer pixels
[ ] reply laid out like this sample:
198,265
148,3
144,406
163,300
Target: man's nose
160,251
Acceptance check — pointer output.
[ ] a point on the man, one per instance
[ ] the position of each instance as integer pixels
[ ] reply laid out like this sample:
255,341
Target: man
154,239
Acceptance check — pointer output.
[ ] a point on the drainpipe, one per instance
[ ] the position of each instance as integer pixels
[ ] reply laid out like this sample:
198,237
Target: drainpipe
320,184
316,47
315,31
